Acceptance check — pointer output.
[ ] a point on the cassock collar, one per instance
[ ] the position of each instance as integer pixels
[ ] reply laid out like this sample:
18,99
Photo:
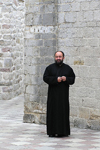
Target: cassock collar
59,65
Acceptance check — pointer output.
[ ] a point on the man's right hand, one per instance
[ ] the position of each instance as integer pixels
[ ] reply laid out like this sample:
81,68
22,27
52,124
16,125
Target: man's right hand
59,79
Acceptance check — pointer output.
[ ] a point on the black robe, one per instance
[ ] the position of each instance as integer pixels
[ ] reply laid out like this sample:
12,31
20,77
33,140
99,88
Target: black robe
58,98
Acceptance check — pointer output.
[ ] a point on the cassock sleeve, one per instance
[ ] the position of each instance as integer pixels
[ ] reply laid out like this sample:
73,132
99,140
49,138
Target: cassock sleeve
71,78
48,78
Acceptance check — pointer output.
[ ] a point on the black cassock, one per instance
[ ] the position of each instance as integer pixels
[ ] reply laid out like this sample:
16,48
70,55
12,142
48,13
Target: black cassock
58,98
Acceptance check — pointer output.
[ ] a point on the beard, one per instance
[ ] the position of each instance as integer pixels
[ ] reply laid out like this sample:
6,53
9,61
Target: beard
59,62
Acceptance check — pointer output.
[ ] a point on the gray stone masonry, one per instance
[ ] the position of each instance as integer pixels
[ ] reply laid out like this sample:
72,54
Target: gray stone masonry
40,45
72,26
30,32
11,48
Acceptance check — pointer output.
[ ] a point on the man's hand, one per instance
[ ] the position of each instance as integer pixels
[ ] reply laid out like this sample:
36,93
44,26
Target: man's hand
63,78
59,79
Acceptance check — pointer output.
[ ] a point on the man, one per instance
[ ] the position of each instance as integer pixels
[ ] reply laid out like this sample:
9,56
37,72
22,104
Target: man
58,76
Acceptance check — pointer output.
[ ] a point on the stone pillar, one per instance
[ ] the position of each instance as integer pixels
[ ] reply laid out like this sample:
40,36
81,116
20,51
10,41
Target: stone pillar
11,48
40,45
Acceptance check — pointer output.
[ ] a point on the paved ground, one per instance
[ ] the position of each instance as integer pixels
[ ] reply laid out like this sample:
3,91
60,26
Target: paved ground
16,135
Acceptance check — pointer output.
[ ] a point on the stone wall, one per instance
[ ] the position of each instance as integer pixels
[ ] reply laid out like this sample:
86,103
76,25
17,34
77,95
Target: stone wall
11,48
85,100
40,45
79,38
71,26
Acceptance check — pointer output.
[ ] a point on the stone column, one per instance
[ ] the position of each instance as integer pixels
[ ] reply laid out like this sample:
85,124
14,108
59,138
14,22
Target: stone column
40,45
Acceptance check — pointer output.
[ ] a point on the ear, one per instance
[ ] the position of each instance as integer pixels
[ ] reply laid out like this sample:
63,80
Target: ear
63,58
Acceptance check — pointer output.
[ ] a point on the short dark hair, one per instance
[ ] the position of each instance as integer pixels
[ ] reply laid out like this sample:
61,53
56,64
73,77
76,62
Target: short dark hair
61,52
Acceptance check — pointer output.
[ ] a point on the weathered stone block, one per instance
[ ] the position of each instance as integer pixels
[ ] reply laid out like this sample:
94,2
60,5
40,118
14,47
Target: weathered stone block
79,62
28,118
49,19
34,98
97,15
43,119
29,19
66,7
42,69
75,6
61,17
80,123
39,43
7,36
47,51
37,118
6,49
94,115
97,94
50,43
49,60
74,111
48,36
69,42
6,26
6,96
94,124
33,43
94,5
37,19
1,64
43,99
40,80
38,36
1,42
50,8
93,42
30,89
85,5
4,69
43,91
31,70
7,89
34,80
8,63
88,16
84,113
32,8
70,17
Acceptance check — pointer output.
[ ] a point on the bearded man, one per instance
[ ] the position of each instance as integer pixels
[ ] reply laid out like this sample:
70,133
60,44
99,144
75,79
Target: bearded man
58,76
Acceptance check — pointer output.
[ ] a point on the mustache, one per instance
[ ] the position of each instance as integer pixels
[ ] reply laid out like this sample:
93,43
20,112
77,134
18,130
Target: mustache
58,60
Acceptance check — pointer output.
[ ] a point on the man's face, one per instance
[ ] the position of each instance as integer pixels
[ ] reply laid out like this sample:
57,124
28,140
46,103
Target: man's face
59,58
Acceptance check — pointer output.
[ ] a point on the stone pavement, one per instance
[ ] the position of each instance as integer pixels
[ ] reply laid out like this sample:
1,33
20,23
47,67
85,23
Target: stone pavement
16,135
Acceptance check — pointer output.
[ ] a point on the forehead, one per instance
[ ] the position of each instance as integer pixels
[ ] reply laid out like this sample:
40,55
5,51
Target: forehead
59,54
